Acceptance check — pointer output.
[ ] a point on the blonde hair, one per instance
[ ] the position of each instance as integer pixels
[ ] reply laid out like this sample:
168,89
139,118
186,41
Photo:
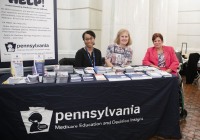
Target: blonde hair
121,31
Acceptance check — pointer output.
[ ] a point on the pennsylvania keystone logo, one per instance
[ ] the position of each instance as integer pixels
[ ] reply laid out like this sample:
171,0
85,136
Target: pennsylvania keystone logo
37,119
10,47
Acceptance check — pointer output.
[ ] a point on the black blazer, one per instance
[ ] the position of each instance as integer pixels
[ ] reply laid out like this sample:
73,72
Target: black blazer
82,59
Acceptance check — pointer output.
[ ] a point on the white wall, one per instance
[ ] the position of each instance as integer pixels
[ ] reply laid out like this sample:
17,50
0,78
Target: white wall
132,15
163,19
75,17
178,21
189,25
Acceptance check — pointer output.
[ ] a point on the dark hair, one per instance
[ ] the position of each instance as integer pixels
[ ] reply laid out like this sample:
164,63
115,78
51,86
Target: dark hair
90,33
155,35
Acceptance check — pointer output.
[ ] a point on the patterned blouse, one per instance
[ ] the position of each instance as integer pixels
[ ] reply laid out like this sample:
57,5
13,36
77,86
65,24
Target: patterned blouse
119,56
161,60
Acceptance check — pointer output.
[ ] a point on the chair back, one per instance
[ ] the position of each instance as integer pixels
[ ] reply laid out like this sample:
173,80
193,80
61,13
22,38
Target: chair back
67,61
192,67
179,57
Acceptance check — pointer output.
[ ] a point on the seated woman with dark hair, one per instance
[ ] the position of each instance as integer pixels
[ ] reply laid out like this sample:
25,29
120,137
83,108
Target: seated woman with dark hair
88,56
160,56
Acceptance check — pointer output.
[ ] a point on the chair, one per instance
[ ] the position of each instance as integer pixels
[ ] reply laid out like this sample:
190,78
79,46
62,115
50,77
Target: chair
180,59
197,79
183,111
67,61
179,56
191,70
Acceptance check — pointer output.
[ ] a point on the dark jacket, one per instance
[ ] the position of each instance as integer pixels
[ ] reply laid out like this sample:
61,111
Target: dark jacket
82,58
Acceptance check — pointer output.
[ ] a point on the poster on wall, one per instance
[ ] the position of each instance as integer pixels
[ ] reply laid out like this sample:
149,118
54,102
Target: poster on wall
28,27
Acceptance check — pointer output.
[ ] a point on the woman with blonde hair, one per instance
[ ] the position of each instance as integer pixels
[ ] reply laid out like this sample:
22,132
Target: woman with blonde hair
120,53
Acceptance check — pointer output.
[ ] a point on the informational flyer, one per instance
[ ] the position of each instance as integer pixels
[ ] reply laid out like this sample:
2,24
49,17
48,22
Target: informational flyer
17,69
27,27
38,66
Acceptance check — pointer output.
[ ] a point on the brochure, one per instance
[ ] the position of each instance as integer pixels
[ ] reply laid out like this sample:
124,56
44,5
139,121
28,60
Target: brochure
119,69
62,77
75,78
100,69
32,79
108,69
164,73
100,77
89,70
17,69
129,69
154,74
38,66
117,77
138,75
144,68
15,80
79,71
49,77
88,77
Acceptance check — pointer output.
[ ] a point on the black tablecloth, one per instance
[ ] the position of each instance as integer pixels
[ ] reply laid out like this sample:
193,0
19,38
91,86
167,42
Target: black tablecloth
126,110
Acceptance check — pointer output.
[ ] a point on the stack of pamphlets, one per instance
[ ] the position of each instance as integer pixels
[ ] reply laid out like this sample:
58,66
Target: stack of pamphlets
79,71
99,77
75,78
118,69
108,69
49,77
117,77
56,68
32,79
17,69
100,69
129,69
113,72
139,68
164,73
146,68
68,68
154,74
138,75
89,70
88,77
62,77
15,80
